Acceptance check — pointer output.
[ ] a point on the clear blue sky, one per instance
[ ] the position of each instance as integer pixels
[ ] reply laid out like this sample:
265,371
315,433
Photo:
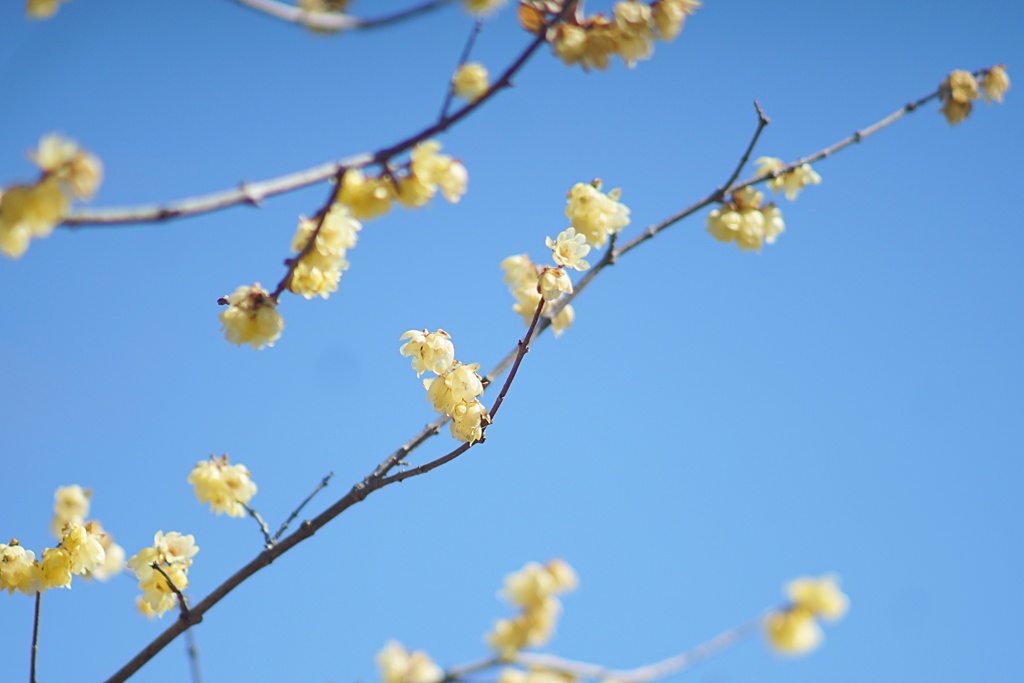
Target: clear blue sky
715,423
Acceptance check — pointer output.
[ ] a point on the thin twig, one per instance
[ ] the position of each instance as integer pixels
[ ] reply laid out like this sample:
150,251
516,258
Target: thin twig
463,58
193,656
259,520
182,603
254,192
762,122
35,640
336,21
523,348
295,513
456,673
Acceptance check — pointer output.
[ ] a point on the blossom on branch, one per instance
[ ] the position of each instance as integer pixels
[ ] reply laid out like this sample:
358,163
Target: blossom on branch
569,248
18,569
795,630
534,589
251,317
470,82
173,553
957,93
554,283
320,269
594,214
398,665
995,84
468,421
42,9
482,6
226,487
432,351
745,221
792,182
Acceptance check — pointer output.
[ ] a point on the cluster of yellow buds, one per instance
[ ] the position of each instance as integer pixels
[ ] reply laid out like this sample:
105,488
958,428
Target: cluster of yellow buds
172,553
482,6
592,41
320,268
28,211
470,81
533,589
745,221
84,550
398,665
795,630
960,88
792,181
226,487
251,317
455,390
413,186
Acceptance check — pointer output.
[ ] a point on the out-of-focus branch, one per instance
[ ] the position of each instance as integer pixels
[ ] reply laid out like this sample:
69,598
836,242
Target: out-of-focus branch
336,21
35,640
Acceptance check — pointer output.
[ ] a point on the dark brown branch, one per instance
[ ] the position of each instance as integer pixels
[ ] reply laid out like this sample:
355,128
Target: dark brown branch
259,520
336,21
35,640
295,513
182,603
463,58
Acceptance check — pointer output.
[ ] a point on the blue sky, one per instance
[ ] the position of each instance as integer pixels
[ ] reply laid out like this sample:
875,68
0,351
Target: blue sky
715,423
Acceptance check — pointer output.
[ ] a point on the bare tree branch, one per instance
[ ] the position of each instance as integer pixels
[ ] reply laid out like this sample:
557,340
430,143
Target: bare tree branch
336,21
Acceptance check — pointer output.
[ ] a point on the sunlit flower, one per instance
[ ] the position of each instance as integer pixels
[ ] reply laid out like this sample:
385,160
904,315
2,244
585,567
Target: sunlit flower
365,197
173,553
468,421
55,568
793,181
554,282
634,37
85,548
527,302
441,170
18,569
42,9
28,211
397,665
460,383
71,504
669,16
569,248
956,93
563,321
795,630
482,6
594,214
520,272
470,81
224,486
432,351
251,318
995,84
744,221
319,270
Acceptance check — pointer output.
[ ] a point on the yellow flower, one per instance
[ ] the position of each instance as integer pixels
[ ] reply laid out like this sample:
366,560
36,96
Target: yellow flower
520,272
793,632
745,222
564,575
956,93
821,596
42,9
569,43
365,198
28,211
553,283
468,420
251,318
55,568
594,214
995,84
18,569
397,665
527,301
432,351
569,248
470,82
320,269
173,552
601,43
458,384
793,181
482,6
669,16
634,37
85,548
71,504
223,485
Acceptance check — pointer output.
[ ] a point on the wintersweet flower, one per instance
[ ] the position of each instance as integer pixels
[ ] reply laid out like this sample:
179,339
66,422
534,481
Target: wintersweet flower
569,43
795,630
482,6
439,170
956,93
520,272
18,569
320,269
365,198
28,211
995,84
85,548
398,665
600,45
564,575
634,36
458,384
669,16
793,181
470,81
42,9
251,318
554,282
67,162
173,553
569,248
527,301
563,321
71,504
226,487
744,221
55,569
468,421
114,556
432,351
594,214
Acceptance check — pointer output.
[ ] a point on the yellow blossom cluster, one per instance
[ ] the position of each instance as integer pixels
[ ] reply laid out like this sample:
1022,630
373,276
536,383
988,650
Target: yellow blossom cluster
323,5
533,589
525,280
320,268
42,9
592,41
482,6
594,214
368,197
251,317
795,630
84,550
470,81
28,211
745,221
537,675
226,487
960,89
792,181
172,553
455,390
398,665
